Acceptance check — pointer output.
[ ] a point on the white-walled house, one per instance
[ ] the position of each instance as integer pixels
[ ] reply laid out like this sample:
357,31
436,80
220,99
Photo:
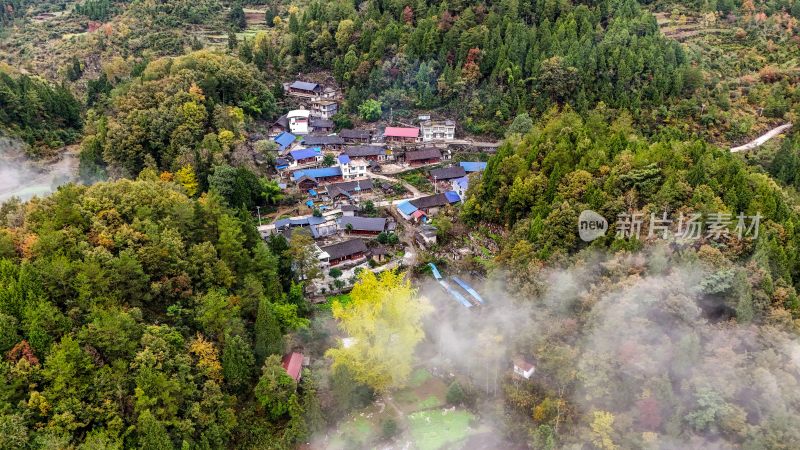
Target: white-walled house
444,130
353,169
298,121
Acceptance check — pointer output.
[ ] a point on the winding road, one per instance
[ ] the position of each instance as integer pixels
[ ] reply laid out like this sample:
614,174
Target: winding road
761,140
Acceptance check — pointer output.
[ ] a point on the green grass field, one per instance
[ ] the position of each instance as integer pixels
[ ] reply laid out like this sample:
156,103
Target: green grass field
344,299
434,429
355,432
427,424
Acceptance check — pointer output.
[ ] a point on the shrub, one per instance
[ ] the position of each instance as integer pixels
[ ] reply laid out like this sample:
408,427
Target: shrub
389,428
455,393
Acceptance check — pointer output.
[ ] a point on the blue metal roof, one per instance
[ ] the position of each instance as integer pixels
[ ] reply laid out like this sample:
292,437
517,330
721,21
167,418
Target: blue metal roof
310,203
280,223
452,197
305,153
304,85
314,220
473,166
406,208
299,222
284,139
324,172
462,182
455,294
468,288
312,192
435,271
344,159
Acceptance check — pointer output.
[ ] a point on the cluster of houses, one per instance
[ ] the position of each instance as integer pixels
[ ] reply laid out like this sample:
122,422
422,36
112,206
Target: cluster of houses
335,169
318,104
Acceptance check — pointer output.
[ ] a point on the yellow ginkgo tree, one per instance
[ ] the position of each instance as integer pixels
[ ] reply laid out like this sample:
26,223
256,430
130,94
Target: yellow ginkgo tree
384,321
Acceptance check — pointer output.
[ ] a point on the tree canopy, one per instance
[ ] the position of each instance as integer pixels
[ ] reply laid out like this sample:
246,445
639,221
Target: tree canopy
384,321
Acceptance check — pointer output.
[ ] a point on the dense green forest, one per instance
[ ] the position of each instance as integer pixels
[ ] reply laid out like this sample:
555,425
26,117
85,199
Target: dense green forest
135,316
540,181
493,59
38,112
141,308
185,110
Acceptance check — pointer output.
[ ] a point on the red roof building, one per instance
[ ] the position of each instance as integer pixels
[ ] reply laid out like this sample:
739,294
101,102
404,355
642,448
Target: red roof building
401,134
293,363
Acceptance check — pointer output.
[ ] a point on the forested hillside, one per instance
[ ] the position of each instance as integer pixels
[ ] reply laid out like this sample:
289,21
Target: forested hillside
186,110
646,342
39,113
140,307
540,181
493,60
135,316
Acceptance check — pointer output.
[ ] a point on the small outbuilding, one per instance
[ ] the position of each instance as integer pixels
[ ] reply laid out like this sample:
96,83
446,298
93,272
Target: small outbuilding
293,364
523,368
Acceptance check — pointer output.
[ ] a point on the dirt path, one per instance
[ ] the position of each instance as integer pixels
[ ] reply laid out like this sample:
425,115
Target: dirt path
761,140
416,192
280,212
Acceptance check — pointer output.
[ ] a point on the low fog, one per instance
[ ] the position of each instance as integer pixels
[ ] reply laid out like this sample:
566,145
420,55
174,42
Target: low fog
20,177
640,346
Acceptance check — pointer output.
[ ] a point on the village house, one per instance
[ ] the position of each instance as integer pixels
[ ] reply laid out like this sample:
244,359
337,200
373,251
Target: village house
523,368
426,235
356,136
348,210
285,225
306,182
445,174
298,121
282,164
330,93
281,125
377,153
284,140
353,187
346,251
321,125
339,196
324,229
321,175
305,156
472,167
353,168
460,185
424,156
304,89
438,130
328,143
369,226
410,212
293,364
380,253
431,204
401,135
324,108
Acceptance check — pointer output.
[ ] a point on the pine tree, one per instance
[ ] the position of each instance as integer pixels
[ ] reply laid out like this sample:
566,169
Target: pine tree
269,340
237,17
237,362
152,433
